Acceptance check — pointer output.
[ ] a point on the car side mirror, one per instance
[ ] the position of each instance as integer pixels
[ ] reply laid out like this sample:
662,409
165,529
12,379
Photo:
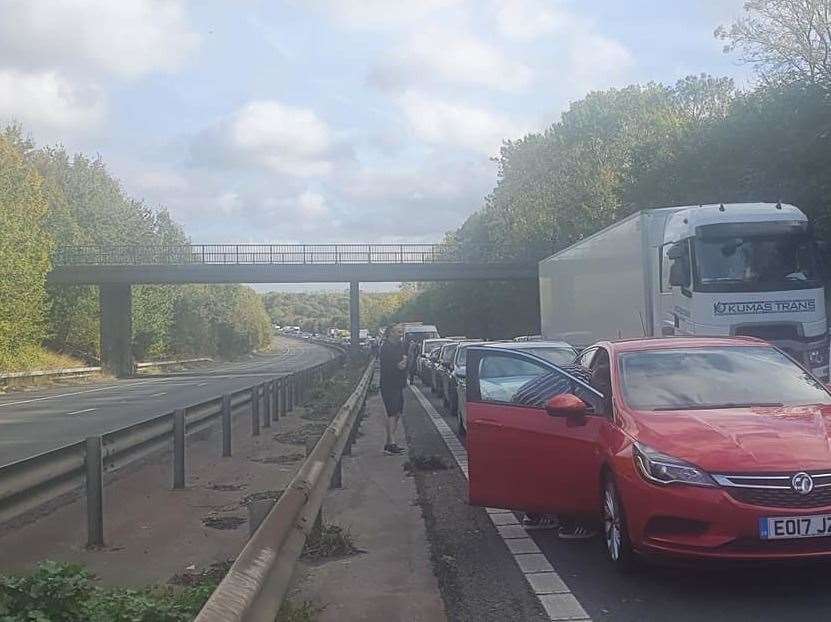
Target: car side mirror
569,406
460,372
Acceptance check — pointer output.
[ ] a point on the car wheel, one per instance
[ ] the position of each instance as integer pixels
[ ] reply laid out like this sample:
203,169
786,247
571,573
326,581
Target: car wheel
615,534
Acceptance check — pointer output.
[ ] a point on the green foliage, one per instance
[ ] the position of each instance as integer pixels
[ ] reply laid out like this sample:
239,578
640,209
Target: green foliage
219,320
57,592
24,254
53,593
319,311
49,198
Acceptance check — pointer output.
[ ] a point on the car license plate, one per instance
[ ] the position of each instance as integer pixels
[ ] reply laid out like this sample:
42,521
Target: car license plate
783,527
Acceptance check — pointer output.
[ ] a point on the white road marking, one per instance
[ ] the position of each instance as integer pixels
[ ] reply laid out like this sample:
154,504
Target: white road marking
53,397
157,394
555,597
78,412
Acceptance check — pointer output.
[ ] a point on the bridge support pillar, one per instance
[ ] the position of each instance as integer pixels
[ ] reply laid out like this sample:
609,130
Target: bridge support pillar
354,316
116,329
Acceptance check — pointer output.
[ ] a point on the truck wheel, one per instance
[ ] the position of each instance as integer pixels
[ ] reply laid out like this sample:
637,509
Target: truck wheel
615,534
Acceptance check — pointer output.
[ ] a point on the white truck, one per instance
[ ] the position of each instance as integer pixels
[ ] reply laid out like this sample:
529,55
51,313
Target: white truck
731,269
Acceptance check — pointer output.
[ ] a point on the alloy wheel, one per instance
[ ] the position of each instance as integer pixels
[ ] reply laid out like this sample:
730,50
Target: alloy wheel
611,521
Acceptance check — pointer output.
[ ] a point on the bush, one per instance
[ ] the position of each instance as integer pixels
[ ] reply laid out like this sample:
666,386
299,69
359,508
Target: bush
58,592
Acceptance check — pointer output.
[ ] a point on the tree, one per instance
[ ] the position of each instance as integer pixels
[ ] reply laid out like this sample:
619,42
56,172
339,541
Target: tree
786,40
24,255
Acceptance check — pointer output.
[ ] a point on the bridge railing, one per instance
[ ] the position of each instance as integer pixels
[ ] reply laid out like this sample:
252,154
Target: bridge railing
231,254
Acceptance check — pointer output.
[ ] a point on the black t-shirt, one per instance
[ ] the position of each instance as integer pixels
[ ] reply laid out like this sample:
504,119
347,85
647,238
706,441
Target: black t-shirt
390,357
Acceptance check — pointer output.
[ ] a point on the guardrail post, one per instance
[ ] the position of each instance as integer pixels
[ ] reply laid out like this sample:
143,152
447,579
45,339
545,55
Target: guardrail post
226,425
292,382
95,491
179,448
255,410
266,405
281,397
276,396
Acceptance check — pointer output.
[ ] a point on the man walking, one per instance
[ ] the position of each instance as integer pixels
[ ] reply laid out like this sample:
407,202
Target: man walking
393,363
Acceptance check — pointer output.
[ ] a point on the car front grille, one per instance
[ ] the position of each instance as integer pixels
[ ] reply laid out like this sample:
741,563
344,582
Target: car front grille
782,498
775,490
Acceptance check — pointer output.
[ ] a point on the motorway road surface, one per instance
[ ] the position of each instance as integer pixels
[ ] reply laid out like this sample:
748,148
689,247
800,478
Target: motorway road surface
473,580
36,421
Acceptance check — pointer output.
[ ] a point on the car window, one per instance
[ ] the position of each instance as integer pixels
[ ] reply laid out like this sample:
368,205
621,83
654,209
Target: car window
501,376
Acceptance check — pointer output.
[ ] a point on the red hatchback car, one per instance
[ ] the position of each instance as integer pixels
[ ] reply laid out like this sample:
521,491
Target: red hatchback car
691,447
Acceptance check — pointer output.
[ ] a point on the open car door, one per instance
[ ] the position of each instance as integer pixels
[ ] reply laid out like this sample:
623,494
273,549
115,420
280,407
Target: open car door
521,455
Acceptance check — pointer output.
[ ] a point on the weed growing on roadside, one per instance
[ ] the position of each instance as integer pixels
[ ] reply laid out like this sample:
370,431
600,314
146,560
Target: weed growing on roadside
60,592
422,462
329,541
307,611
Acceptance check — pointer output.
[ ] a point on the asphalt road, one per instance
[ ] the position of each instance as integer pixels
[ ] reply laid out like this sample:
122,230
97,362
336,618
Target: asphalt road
36,421
651,593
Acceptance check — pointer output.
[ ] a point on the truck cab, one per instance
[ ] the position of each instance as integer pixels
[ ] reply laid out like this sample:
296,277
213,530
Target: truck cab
744,269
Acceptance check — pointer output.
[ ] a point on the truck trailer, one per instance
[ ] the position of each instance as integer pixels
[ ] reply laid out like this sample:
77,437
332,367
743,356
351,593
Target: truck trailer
731,269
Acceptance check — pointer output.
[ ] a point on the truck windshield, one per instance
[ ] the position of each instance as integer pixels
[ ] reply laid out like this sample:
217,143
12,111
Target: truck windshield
721,377
755,264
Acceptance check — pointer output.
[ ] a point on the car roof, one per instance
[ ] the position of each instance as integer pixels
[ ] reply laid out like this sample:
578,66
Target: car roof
529,345
665,343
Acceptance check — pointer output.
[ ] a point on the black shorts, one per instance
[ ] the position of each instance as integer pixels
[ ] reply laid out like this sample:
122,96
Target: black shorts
393,400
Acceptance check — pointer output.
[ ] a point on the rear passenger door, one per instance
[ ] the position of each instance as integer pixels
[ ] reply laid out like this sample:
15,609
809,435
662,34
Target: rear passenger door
519,456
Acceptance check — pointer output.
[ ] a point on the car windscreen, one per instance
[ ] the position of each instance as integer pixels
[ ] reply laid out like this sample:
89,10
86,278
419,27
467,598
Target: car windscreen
556,355
716,377
448,352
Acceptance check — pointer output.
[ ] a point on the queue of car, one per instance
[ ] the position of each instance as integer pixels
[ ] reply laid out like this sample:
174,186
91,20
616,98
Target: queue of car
679,447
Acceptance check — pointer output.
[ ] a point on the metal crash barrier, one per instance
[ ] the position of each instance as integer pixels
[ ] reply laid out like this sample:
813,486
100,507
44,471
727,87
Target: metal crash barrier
254,588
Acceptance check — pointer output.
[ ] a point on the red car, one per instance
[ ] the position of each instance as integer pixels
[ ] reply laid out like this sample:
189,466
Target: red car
681,447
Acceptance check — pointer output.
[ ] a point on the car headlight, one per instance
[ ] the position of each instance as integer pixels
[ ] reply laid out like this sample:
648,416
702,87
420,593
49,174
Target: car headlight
662,469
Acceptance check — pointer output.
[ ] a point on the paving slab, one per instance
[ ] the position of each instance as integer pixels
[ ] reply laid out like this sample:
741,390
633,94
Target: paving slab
392,578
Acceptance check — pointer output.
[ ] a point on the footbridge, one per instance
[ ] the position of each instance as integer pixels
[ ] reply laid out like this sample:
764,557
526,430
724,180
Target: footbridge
114,269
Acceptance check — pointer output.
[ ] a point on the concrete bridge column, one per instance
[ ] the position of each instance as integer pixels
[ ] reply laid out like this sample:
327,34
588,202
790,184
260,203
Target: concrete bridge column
116,329
354,315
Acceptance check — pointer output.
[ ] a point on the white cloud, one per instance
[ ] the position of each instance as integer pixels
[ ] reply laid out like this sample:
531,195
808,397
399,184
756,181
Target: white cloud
529,19
228,203
372,14
591,58
439,122
268,134
594,57
48,102
452,57
127,38
312,205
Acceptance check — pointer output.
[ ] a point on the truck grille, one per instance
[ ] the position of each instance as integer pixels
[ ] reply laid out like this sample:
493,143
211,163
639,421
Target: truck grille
769,332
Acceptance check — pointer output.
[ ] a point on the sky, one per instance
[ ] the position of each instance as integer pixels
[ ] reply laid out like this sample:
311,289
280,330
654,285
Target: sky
328,120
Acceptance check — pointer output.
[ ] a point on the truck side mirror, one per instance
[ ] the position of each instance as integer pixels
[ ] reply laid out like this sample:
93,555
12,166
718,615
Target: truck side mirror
679,274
